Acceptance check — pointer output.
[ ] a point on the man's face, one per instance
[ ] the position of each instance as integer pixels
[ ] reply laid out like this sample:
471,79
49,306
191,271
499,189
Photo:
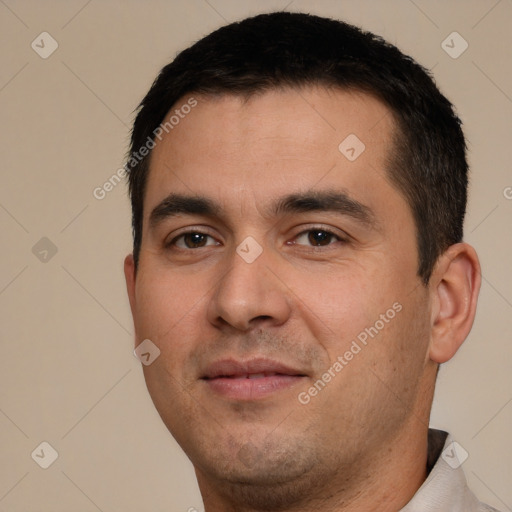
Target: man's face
331,256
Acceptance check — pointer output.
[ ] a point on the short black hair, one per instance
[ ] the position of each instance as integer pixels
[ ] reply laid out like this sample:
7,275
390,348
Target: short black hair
282,50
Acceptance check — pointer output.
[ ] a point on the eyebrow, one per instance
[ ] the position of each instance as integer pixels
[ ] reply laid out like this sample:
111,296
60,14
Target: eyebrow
317,201
327,201
179,204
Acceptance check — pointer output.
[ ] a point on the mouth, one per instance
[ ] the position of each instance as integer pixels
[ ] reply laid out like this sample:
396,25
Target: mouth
250,380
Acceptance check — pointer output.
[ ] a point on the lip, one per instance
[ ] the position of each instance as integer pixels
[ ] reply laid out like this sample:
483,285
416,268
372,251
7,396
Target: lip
250,380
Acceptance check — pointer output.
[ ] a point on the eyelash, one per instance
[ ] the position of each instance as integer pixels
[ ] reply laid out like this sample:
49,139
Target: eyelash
172,243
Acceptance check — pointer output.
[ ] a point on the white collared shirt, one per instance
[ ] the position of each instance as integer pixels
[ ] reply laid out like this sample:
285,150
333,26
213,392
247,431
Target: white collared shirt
445,489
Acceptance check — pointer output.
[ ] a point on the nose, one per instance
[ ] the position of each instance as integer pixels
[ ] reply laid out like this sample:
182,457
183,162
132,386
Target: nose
249,295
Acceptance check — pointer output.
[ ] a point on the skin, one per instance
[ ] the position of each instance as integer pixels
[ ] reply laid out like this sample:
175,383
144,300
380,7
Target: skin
360,443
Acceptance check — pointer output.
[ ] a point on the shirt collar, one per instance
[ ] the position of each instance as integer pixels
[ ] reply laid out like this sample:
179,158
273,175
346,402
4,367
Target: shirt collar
445,489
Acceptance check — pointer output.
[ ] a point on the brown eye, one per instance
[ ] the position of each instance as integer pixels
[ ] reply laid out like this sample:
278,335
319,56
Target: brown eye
316,238
192,240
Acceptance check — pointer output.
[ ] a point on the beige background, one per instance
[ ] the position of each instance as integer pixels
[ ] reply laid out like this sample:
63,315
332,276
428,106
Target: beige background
68,375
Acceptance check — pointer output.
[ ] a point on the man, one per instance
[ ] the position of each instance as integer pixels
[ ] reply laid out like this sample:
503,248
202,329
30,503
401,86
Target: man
298,189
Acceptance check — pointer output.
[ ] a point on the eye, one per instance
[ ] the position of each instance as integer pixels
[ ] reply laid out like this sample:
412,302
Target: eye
317,237
192,240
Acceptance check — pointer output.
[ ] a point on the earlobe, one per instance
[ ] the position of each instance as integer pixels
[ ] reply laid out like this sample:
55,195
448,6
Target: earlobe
129,275
455,287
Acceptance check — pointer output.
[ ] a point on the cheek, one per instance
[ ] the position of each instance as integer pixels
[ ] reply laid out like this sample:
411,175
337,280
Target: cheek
366,315
339,304
166,302
413,326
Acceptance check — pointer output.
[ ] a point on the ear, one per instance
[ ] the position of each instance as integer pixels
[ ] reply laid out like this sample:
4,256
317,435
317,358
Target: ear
129,275
455,284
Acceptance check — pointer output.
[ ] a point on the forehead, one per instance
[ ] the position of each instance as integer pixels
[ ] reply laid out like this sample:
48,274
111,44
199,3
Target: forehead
273,143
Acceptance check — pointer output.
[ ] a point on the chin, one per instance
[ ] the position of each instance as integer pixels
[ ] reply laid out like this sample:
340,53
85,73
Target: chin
266,462
267,483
